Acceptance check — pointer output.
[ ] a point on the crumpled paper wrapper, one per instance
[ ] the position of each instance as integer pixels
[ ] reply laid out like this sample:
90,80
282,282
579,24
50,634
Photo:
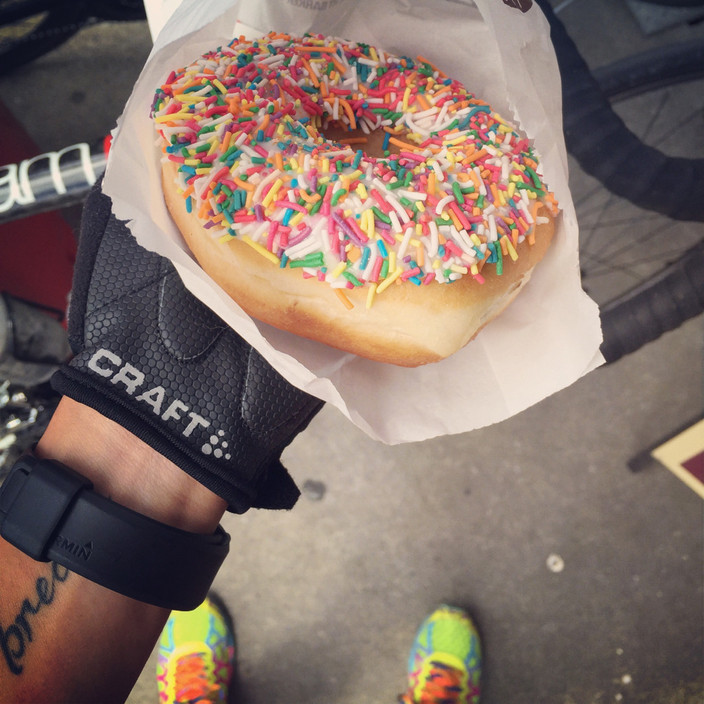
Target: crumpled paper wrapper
547,339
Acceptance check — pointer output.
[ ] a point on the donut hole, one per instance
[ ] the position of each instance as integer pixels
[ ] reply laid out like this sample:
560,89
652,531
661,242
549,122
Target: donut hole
371,144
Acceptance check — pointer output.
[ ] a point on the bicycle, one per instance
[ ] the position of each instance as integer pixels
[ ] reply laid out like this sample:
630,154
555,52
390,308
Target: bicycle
661,301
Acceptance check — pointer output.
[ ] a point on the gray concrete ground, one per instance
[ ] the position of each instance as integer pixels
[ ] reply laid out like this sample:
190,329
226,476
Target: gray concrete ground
585,578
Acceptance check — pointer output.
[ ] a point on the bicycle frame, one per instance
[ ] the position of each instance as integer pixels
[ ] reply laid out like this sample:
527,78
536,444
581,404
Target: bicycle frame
50,180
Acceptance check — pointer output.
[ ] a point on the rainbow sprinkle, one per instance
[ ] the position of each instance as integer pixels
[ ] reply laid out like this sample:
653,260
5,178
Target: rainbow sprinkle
244,123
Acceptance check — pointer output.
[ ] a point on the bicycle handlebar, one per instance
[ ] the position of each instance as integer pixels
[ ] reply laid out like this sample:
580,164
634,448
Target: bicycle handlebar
605,148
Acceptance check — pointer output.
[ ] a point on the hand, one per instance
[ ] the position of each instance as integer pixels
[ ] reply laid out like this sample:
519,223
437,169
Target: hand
154,359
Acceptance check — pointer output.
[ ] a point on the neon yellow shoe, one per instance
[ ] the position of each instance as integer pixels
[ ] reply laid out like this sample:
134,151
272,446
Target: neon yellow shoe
196,655
445,663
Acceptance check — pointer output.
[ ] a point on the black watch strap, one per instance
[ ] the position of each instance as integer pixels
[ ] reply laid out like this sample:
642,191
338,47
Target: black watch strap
51,512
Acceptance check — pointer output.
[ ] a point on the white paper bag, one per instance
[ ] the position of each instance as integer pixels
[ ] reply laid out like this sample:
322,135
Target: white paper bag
547,339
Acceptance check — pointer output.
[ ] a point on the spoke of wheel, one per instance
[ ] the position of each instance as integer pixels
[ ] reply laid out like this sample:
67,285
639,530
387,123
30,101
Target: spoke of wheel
655,116
611,261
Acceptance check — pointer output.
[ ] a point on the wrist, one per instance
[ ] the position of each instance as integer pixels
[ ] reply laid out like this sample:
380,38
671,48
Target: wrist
127,470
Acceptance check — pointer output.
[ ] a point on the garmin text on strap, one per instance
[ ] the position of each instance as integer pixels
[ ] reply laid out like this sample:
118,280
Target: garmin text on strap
50,512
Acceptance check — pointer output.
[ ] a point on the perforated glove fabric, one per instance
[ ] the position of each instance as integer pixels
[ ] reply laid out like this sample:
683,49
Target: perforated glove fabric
153,358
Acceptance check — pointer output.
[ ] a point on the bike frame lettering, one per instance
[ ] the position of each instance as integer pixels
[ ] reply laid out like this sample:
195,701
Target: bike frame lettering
16,185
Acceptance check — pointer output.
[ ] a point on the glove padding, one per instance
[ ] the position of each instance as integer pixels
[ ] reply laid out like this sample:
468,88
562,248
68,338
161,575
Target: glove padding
154,359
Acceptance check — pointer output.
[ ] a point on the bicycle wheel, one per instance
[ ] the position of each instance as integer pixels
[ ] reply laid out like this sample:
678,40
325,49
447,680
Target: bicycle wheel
661,96
637,177
31,28
644,269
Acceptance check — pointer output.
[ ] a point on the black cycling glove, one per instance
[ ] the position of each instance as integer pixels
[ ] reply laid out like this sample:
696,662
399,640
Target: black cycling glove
156,360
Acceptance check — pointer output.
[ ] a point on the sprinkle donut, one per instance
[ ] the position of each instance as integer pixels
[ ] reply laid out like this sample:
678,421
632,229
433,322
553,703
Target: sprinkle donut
356,198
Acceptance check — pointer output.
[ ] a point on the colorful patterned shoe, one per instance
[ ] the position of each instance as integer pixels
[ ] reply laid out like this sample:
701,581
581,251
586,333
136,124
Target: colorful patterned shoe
196,655
445,663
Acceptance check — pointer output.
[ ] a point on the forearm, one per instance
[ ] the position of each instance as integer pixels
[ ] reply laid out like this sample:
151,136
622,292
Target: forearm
63,638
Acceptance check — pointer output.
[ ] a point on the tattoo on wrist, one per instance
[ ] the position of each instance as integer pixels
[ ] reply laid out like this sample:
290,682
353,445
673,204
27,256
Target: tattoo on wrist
15,638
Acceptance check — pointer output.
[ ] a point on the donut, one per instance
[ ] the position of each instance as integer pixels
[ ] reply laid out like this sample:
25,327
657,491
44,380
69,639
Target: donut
349,196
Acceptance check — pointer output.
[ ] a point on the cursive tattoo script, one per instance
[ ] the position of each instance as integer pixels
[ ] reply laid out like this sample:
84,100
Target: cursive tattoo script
14,638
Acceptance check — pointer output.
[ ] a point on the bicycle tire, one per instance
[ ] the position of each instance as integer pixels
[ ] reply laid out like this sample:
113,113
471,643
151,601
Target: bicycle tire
605,148
676,3
649,311
119,10
650,70
54,27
